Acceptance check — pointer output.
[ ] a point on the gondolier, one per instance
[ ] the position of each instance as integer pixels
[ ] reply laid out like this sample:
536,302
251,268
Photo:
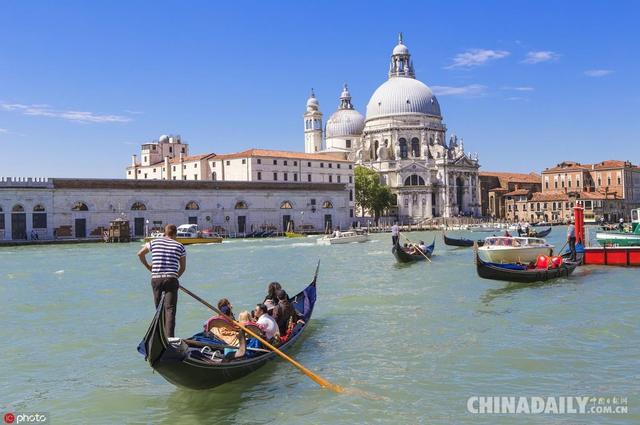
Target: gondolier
571,239
169,261
394,233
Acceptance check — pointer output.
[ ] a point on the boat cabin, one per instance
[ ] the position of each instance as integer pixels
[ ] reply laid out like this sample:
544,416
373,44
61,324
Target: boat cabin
515,242
187,231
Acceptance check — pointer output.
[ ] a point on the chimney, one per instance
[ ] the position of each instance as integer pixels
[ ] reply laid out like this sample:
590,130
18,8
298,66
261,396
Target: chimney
167,174
133,160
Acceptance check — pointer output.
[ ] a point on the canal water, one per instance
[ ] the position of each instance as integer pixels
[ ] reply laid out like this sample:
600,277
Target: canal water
411,342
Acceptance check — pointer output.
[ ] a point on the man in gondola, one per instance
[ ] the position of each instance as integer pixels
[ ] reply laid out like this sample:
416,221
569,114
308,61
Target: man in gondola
168,263
395,232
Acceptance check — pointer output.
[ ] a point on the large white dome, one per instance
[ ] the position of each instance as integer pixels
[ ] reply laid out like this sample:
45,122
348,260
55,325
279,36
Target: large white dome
402,95
345,122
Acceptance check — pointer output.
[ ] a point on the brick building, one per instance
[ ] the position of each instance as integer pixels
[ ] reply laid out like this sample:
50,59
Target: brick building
495,185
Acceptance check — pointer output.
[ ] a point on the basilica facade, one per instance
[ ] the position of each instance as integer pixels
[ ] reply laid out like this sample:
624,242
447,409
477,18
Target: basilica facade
404,139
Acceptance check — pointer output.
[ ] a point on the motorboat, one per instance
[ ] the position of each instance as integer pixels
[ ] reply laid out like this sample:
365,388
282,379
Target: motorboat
505,249
339,237
629,236
484,228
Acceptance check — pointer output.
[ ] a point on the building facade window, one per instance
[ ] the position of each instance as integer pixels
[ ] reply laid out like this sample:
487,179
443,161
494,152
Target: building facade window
285,176
244,161
327,204
286,205
275,176
295,177
138,206
309,177
259,161
79,206
39,218
192,205
275,162
259,175
330,178
241,205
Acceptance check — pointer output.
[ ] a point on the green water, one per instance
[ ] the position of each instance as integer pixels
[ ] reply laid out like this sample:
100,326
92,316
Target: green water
413,342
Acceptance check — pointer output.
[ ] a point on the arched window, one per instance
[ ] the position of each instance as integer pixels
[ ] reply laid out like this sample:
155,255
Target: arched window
414,180
80,206
403,148
37,208
192,205
241,205
286,205
327,204
17,208
415,147
376,145
138,206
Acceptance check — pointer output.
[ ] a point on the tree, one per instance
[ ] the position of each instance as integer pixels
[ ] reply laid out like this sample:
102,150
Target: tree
370,194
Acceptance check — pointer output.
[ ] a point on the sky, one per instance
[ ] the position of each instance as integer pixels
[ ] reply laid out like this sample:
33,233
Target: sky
527,84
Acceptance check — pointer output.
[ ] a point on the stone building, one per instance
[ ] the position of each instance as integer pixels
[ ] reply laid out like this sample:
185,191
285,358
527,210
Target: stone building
404,139
83,208
495,185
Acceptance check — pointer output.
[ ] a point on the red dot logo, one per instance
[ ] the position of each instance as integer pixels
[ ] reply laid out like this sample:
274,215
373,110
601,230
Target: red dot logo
9,418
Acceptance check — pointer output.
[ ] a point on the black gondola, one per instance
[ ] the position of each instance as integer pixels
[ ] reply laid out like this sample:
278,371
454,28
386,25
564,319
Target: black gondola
405,257
518,273
460,242
185,366
540,234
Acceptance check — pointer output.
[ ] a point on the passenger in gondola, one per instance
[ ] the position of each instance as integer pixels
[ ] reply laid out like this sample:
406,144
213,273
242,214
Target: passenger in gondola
271,300
422,247
507,234
266,323
225,334
284,313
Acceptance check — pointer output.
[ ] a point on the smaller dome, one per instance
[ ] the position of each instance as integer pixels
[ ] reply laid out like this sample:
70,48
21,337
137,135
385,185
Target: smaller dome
400,49
163,139
344,122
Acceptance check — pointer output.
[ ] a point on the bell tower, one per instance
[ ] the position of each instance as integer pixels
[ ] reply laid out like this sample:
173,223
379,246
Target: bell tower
312,125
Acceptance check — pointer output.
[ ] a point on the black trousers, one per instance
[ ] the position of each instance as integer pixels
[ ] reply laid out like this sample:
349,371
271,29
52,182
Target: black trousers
572,248
168,285
394,240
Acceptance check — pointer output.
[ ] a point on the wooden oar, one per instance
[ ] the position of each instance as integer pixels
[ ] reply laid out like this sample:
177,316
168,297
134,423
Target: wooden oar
419,250
317,379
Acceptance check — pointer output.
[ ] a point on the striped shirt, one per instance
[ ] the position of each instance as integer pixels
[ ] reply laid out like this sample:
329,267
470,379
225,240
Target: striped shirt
165,257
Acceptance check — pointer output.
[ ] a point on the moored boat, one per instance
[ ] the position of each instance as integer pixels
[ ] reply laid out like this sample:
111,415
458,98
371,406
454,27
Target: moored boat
520,273
541,234
188,234
339,237
187,363
484,228
504,249
628,236
404,257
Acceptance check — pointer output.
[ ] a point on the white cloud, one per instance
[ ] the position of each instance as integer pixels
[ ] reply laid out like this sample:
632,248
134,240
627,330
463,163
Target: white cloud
470,90
41,110
597,72
476,57
540,56
3,131
521,88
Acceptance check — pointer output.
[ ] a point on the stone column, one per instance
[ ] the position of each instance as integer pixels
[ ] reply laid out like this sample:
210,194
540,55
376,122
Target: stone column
429,213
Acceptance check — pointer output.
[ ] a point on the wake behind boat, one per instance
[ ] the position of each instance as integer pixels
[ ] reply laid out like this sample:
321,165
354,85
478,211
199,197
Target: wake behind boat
192,363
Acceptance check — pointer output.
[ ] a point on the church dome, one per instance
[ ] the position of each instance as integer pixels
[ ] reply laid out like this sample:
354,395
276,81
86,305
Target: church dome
400,95
400,49
345,122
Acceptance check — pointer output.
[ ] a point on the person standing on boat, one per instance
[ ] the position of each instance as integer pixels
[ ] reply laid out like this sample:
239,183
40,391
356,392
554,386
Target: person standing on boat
168,263
395,233
571,239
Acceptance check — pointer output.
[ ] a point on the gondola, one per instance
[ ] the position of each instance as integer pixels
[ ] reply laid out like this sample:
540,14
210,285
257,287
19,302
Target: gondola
404,257
579,254
541,234
520,273
184,364
460,242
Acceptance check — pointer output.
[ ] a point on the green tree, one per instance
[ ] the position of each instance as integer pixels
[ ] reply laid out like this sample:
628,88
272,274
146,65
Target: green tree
370,194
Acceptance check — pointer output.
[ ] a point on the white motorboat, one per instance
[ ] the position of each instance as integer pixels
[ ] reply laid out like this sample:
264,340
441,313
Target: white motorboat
504,249
484,228
339,237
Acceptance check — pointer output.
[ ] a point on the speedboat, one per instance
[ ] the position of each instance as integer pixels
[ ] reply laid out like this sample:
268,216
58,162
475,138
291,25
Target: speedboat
505,249
484,228
343,237
628,237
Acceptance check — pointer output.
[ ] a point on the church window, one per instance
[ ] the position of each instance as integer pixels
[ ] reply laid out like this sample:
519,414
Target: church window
376,145
403,148
144,159
415,147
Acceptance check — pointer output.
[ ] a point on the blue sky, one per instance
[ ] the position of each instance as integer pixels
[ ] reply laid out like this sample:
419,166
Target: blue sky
527,84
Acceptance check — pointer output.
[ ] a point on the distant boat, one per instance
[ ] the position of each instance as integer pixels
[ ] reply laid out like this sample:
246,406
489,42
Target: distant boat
188,234
339,237
460,242
621,237
483,228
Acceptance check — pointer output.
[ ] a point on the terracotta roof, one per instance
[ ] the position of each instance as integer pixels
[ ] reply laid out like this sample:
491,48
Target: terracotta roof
613,163
513,177
550,196
192,158
576,166
518,192
567,166
329,156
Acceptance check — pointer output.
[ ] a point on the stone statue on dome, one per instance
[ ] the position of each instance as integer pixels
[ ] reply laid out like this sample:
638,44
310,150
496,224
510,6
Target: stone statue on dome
382,152
397,152
359,156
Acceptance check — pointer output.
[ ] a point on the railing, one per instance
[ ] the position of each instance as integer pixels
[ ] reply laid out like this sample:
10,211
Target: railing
25,181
